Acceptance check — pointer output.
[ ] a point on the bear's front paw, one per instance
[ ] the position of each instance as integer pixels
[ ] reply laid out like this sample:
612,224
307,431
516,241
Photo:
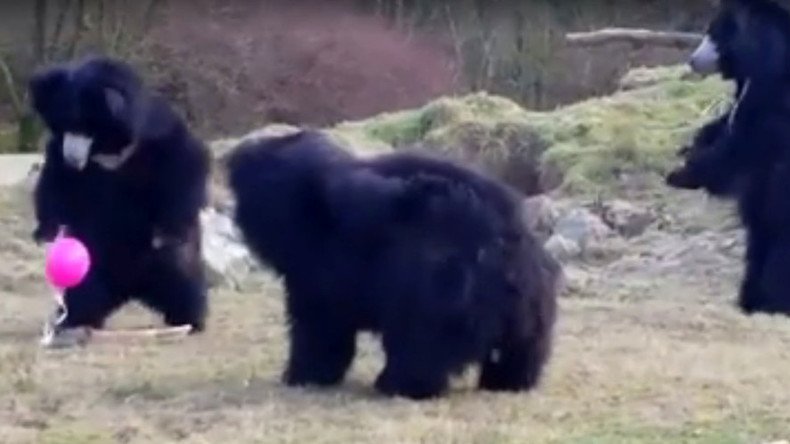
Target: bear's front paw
44,233
681,178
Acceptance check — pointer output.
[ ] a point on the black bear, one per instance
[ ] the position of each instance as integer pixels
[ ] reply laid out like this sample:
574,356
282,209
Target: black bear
747,43
123,174
745,154
699,171
432,256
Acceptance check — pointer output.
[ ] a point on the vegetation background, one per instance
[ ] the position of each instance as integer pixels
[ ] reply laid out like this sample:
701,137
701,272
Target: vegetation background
231,65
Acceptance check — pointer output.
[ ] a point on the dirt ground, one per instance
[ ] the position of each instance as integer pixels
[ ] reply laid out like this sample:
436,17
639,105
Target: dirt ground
649,349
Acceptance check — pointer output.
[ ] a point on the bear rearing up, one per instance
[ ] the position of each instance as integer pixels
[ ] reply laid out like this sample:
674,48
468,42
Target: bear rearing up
123,174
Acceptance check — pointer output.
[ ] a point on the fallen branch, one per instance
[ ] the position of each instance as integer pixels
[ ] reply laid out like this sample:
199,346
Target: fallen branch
148,333
83,335
636,37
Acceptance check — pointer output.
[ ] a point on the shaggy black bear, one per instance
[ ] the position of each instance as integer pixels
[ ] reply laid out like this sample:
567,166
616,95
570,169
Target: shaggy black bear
745,154
123,174
432,256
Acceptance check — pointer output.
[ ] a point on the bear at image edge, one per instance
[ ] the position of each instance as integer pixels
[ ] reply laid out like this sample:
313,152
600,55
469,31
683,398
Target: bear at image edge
745,156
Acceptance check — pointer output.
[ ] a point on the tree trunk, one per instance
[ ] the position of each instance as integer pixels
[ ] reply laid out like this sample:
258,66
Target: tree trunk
40,30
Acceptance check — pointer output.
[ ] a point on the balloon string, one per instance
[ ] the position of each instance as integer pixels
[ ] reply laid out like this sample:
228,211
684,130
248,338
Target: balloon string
51,327
64,312
62,232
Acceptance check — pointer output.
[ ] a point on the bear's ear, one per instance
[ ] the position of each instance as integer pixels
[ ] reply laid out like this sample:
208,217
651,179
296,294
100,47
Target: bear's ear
116,102
45,85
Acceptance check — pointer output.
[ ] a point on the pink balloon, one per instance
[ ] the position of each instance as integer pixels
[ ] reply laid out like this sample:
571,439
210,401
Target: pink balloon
68,262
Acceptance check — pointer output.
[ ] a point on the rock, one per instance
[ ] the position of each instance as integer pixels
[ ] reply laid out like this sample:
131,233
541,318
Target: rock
562,248
577,280
582,227
626,218
227,258
540,214
580,234
19,169
220,197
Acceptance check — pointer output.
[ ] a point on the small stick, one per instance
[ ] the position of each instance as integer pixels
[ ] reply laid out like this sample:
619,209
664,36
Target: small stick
82,335
148,333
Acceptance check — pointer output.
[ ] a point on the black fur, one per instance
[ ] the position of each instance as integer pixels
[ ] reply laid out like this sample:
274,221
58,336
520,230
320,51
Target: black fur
753,41
120,214
430,255
745,154
752,38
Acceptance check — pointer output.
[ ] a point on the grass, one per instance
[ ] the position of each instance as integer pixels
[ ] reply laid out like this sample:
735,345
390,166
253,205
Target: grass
640,358
640,372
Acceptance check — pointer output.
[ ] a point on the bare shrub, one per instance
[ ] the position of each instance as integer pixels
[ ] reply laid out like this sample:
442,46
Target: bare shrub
230,67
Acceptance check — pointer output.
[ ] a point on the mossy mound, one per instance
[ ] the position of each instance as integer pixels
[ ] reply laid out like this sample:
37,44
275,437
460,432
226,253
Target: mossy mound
490,132
587,147
598,142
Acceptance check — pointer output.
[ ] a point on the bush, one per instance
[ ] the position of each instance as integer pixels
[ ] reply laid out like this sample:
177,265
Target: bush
251,63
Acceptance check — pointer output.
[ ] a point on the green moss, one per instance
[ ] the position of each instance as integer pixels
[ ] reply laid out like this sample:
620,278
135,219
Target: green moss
489,131
585,147
593,143
414,126
393,128
596,141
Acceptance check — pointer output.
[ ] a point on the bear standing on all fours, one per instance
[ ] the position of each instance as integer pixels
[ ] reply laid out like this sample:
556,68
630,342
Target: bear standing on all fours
432,256
745,154
123,174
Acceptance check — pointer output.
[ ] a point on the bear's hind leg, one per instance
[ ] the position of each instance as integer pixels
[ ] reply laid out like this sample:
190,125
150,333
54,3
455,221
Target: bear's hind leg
751,297
178,292
90,303
320,352
774,281
418,364
515,365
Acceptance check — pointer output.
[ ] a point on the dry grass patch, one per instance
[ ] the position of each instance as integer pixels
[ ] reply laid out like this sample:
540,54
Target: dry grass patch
666,363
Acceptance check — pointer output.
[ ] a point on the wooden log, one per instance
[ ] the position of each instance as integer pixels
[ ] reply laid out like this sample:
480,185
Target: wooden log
636,37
